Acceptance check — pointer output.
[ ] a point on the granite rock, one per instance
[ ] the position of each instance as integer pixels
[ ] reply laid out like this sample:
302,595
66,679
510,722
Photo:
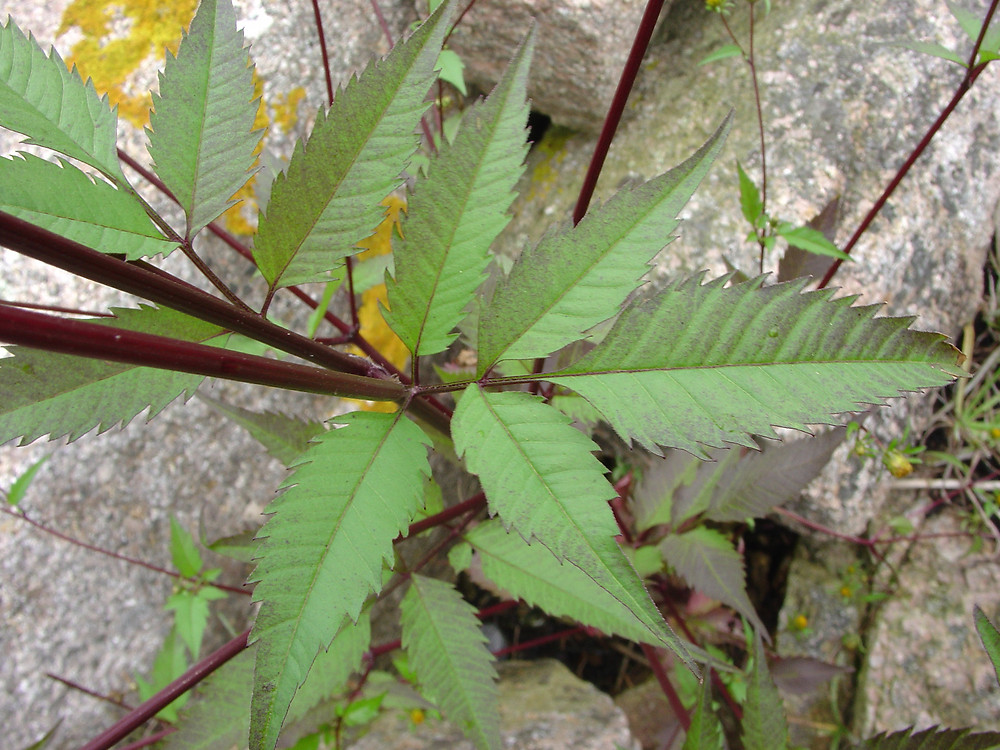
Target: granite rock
543,706
581,48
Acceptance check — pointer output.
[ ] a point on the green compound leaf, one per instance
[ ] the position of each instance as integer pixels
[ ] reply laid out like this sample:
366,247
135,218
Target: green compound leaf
65,200
218,718
540,475
578,277
764,725
42,393
534,574
353,492
45,101
733,485
284,437
457,212
448,652
707,561
933,738
776,357
328,198
201,135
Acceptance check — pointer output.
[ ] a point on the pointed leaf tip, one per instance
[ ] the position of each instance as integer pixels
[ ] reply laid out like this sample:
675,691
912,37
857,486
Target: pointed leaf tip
201,135
577,277
50,104
329,197
456,213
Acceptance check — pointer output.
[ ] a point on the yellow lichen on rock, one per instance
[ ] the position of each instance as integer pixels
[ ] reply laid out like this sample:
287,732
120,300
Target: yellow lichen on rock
374,329
117,38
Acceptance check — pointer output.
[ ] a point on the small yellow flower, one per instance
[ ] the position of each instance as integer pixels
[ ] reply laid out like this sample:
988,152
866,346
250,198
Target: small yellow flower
995,433
845,591
897,464
417,716
801,622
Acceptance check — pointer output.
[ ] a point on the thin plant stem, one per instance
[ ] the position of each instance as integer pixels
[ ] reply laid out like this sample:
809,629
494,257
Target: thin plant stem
151,740
972,72
639,45
666,685
87,691
461,17
540,641
474,503
148,709
749,57
117,556
58,309
611,121
322,50
348,261
752,62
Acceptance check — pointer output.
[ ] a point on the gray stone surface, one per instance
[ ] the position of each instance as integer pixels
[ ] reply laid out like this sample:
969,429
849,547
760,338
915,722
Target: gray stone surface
842,108
579,53
542,707
86,617
927,665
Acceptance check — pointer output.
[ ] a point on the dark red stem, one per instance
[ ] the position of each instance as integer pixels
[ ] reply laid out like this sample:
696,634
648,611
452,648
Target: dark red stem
80,338
56,309
614,116
666,685
322,51
87,691
164,289
124,558
147,710
972,72
539,641
151,740
461,17
473,503
233,243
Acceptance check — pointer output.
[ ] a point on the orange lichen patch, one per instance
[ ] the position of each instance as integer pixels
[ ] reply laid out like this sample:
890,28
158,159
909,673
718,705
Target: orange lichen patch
117,38
374,329
285,109
241,219
373,326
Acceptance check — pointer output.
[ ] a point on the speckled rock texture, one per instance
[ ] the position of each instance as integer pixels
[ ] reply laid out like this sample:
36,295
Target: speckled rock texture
580,50
927,665
76,614
543,706
842,108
